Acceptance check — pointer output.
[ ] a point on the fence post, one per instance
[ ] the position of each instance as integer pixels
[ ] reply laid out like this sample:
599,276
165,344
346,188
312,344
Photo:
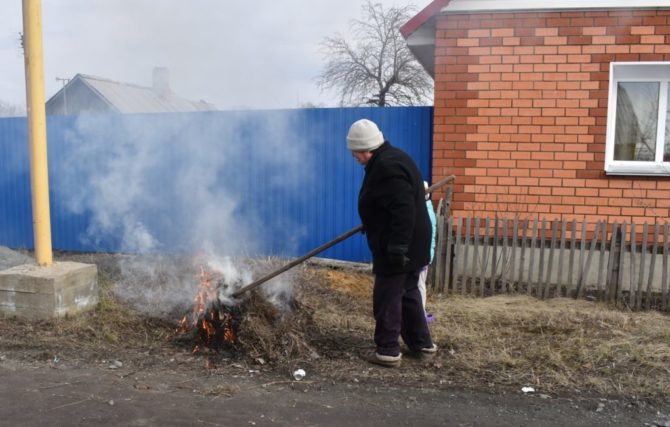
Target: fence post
643,254
524,233
559,280
485,254
633,249
449,258
580,267
586,267
531,263
441,248
601,260
622,254
475,256
550,263
515,239
613,265
504,257
466,254
457,253
573,239
652,265
540,266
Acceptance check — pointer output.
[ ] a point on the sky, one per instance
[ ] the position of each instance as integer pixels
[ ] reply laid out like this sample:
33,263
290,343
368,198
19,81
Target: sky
234,54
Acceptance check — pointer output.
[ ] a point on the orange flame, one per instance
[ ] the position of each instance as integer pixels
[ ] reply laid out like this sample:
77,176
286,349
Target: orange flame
205,318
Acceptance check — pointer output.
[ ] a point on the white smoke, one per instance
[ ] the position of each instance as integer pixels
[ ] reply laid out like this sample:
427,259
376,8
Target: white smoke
173,185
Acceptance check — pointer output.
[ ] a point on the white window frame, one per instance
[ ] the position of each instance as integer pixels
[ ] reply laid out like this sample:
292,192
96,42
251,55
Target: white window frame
637,72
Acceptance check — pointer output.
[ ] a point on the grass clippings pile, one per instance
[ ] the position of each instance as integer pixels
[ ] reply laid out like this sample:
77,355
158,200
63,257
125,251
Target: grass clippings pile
272,334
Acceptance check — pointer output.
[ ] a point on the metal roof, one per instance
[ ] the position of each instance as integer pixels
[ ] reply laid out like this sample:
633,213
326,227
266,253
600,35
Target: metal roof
130,98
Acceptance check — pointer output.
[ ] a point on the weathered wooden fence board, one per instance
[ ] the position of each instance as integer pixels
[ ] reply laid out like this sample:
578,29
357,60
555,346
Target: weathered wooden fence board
609,262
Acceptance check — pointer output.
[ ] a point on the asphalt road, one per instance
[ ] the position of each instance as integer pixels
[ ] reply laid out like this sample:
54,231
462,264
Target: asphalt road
47,394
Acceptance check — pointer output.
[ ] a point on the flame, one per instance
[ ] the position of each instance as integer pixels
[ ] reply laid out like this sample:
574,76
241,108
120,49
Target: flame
208,317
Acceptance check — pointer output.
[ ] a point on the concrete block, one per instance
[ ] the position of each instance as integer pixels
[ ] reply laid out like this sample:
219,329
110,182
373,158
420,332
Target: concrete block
46,292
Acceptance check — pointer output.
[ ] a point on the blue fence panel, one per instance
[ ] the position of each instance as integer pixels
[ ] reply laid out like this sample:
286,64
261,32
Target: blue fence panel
277,182
15,204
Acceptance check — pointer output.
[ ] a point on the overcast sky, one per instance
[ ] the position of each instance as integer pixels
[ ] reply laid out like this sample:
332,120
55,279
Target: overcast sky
234,54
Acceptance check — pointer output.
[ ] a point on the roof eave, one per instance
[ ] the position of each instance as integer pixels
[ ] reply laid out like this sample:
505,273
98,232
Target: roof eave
419,33
487,6
422,45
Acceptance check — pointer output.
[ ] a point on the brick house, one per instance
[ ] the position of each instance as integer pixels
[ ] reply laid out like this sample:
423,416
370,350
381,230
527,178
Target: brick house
556,110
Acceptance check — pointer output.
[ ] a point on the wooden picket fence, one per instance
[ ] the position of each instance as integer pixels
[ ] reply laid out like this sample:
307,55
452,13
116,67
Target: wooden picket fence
609,262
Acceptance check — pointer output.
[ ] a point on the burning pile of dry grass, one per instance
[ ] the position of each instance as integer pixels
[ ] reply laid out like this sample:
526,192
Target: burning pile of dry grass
266,324
275,335
258,329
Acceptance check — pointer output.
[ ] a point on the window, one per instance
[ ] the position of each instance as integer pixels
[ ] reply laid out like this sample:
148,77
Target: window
638,120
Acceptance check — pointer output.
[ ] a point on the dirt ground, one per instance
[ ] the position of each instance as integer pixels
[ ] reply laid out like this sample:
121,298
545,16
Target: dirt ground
117,365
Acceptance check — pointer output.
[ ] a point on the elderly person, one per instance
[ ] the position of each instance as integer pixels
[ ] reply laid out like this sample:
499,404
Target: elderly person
392,207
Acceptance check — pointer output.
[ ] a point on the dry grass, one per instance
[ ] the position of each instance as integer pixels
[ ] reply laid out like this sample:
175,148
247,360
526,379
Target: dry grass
272,334
114,330
111,330
558,345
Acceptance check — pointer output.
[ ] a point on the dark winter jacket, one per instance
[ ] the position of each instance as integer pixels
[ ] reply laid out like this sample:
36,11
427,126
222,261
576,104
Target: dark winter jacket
392,206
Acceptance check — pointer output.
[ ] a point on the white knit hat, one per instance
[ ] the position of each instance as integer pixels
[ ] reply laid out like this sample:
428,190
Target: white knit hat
364,135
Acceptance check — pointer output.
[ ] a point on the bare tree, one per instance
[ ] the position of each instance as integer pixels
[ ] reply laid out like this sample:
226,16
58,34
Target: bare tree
378,67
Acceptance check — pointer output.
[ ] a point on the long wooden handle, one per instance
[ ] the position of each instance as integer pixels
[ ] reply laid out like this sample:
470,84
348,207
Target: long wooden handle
297,261
322,248
441,183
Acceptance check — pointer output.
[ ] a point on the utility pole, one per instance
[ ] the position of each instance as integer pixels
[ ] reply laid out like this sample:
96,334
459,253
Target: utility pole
48,289
37,130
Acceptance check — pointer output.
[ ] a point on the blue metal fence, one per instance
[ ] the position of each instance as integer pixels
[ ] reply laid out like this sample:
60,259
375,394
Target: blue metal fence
275,182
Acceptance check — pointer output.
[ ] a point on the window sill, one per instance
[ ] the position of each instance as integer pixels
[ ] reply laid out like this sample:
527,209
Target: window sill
636,169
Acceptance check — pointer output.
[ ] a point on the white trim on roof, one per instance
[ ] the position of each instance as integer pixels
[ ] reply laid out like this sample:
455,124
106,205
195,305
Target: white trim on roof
462,6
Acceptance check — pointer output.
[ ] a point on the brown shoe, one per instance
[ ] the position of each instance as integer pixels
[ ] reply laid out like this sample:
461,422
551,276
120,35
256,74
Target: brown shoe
382,359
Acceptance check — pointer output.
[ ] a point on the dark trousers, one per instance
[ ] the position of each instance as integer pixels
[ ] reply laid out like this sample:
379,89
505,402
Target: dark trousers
398,311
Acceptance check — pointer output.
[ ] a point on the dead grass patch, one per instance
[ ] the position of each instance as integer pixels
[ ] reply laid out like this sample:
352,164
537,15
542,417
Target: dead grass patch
110,329
558,345
353,284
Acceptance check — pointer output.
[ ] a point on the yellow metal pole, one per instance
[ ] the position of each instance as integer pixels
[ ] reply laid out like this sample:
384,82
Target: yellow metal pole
37,130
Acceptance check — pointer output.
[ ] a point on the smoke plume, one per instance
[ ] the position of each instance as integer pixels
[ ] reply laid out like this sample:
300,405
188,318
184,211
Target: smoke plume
182,185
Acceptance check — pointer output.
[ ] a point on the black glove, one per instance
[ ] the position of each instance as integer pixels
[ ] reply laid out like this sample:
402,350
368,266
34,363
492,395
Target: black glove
396,255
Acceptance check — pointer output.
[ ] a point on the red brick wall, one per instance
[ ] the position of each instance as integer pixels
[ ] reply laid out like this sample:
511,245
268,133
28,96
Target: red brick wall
521,113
